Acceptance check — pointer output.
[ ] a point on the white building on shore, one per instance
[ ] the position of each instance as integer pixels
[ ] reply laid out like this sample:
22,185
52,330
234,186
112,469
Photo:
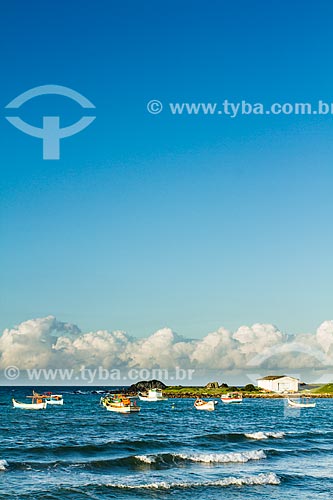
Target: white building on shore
279,383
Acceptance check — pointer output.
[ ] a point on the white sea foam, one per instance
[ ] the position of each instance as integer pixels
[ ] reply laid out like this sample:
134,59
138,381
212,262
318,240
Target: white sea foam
240,457
260,479
147,459
265,435
3,465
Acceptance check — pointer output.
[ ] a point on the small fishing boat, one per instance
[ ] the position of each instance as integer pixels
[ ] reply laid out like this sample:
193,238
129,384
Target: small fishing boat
232,397
200,404
120,404
53,399
152,395
37,403
303,403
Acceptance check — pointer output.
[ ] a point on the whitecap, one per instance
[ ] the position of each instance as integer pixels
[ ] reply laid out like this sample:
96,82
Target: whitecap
3,465
240,457
147,459
260,479
265,435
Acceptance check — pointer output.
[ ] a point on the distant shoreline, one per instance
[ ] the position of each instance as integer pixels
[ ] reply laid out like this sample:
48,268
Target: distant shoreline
202,394
175,392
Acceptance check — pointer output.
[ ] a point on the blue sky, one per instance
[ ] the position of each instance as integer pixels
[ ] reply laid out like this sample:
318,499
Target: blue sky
190,222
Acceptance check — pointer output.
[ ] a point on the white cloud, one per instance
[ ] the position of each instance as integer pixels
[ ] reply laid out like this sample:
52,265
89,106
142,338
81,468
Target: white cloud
100,348
29,344
46,342
163,349
324,336
217,350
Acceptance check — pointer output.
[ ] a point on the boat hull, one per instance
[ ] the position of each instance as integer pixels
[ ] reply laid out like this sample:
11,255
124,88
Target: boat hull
231,401
123,409
232,398
293,404
152,395
55,402
152,400
209,406
29,406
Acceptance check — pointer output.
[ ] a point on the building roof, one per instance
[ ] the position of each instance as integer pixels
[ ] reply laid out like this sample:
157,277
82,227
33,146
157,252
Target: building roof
275,377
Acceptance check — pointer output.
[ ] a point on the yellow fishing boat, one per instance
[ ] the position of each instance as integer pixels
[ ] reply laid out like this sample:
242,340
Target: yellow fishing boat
120,404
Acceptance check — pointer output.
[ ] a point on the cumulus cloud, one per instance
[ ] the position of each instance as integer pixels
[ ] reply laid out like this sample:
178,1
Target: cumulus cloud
100,348
163,349
217,350
324,336
47,342
29,344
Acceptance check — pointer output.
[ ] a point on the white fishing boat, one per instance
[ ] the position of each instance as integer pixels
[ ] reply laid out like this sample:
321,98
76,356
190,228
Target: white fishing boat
300,404
232,397
200,404
152,395
120,404
53,399
37,403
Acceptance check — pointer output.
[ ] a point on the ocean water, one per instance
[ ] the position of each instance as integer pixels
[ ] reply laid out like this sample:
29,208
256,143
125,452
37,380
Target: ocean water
259,449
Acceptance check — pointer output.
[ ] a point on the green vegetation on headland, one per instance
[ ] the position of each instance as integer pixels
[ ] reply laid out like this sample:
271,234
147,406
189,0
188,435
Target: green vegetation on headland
214,390
192,392
249,391
324,389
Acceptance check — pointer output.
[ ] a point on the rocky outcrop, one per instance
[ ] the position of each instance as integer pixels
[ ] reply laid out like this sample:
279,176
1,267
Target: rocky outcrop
212,385
144,385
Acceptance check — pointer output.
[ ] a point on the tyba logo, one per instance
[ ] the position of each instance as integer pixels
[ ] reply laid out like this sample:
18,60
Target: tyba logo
50,133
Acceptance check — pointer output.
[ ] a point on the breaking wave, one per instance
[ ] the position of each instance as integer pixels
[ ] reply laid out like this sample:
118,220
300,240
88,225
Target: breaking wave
260,479
147,459
265,435
240,457
3,465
